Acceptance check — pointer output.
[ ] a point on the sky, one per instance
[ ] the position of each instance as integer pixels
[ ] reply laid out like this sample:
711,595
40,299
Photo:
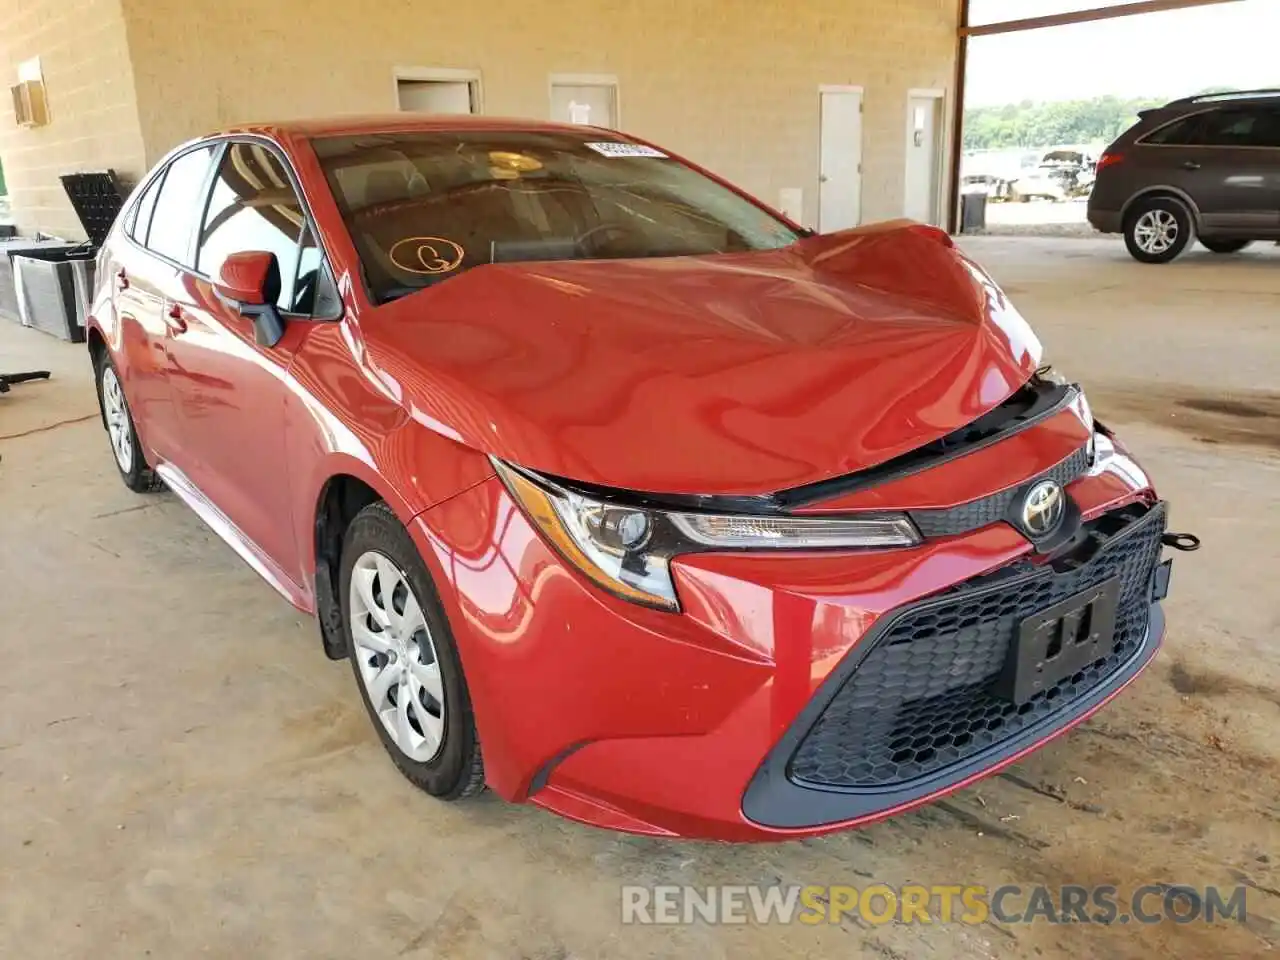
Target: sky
1158,55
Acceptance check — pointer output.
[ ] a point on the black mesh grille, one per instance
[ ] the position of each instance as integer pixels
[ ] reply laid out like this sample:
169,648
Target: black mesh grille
980,513
920,702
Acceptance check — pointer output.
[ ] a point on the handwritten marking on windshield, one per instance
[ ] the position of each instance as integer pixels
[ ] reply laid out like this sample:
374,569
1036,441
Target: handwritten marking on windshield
426,255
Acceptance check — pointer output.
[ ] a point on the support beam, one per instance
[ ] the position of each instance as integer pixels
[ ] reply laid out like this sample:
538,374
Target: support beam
957,120
1085,16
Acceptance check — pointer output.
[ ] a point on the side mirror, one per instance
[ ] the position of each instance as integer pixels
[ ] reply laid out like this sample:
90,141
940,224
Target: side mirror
249,283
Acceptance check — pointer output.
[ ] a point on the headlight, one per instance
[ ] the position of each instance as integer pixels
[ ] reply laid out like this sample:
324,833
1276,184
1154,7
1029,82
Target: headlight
1082,410
627,549
1080,404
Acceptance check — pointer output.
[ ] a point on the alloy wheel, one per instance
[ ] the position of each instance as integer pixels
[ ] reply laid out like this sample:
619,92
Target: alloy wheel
1156,232
117,417
396,656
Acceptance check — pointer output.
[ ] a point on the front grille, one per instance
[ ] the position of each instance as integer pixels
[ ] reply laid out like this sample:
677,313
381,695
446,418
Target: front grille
975,514
919,701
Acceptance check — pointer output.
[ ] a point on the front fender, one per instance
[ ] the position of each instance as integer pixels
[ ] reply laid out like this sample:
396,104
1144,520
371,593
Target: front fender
411,469
342,421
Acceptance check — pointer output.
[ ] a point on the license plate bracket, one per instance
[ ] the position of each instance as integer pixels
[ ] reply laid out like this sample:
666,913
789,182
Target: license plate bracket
1059,641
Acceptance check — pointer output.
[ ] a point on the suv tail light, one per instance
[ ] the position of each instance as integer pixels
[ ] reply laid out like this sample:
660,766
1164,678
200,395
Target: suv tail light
1109,160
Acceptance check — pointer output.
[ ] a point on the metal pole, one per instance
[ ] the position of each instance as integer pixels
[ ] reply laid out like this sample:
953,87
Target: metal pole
957,120
1085,16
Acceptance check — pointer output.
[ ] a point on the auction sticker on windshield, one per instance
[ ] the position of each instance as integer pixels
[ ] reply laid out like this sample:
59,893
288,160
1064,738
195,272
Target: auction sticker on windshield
610,149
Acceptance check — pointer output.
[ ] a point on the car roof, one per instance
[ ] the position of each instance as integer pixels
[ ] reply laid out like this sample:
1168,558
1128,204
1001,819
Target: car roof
406,123
1232,96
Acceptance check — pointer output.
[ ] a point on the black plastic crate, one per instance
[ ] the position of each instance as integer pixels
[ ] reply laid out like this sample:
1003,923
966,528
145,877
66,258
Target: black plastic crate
48,284
97,199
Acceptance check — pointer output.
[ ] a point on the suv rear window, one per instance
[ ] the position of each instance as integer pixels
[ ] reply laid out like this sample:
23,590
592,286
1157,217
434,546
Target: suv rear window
1179,133
424,206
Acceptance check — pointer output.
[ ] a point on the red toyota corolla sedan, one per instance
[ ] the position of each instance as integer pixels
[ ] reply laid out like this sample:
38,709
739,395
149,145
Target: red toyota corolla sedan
622,494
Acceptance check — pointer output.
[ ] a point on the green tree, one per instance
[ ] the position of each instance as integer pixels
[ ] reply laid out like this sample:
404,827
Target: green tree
1029,124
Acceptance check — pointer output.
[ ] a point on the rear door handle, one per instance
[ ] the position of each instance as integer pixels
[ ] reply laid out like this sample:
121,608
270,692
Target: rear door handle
1191,165
122,279
174,319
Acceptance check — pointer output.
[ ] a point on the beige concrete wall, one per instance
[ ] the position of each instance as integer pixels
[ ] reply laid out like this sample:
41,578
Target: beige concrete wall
92,105
732,84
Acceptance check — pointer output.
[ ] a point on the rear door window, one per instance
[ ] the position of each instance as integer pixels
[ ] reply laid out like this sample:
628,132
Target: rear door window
1256,127
1267,133
140,221
1233,127
180,204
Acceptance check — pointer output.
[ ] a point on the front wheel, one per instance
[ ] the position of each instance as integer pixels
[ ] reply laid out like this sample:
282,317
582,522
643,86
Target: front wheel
404,658
1157,230
1224,246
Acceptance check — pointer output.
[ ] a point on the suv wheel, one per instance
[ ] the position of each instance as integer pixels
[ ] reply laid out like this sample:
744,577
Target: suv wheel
1224,246
404,658
130,460
1156,230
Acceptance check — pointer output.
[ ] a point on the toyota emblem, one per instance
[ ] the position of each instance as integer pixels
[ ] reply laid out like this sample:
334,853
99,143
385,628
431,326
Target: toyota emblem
1043,508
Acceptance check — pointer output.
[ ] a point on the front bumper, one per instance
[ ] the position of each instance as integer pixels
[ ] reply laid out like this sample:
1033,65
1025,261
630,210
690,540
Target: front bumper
689,724
909,713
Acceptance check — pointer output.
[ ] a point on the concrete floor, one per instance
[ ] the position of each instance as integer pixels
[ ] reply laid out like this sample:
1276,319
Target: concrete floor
182,773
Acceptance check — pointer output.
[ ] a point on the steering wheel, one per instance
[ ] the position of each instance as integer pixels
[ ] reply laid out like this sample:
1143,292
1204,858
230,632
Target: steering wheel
603,229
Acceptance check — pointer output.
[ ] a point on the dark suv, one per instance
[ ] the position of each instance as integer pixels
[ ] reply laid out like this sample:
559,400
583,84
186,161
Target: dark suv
1206,167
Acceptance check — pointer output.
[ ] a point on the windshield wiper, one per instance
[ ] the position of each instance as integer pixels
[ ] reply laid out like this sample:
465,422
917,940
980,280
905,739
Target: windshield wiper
395,293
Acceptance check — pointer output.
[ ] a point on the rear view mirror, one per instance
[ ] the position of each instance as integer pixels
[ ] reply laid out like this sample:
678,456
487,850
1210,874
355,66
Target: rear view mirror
249,282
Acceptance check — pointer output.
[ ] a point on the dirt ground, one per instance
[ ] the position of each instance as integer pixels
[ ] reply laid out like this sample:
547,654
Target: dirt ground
1041,218
183,774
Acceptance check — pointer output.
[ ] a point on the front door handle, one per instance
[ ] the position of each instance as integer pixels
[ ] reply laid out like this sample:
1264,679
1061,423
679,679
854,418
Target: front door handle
174,319
1191,165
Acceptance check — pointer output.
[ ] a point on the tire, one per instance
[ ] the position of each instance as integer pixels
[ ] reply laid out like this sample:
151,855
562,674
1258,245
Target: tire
117,419
433,740
1157,230
1224,246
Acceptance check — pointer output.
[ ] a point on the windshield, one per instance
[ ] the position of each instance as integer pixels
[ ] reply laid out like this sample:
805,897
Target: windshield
423,207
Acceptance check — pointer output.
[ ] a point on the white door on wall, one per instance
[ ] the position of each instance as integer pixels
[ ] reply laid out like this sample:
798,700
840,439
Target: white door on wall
840,160
924,159
595,104
435,96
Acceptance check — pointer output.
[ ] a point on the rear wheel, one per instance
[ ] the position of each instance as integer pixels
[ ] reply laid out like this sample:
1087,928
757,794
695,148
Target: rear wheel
1224,246
130,460
404,659
1157,230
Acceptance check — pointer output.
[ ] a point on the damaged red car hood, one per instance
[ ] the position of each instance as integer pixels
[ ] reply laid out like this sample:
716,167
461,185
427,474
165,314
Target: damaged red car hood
732,374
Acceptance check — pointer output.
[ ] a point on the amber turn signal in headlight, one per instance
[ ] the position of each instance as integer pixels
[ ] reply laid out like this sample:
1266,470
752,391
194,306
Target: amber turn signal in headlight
627,549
